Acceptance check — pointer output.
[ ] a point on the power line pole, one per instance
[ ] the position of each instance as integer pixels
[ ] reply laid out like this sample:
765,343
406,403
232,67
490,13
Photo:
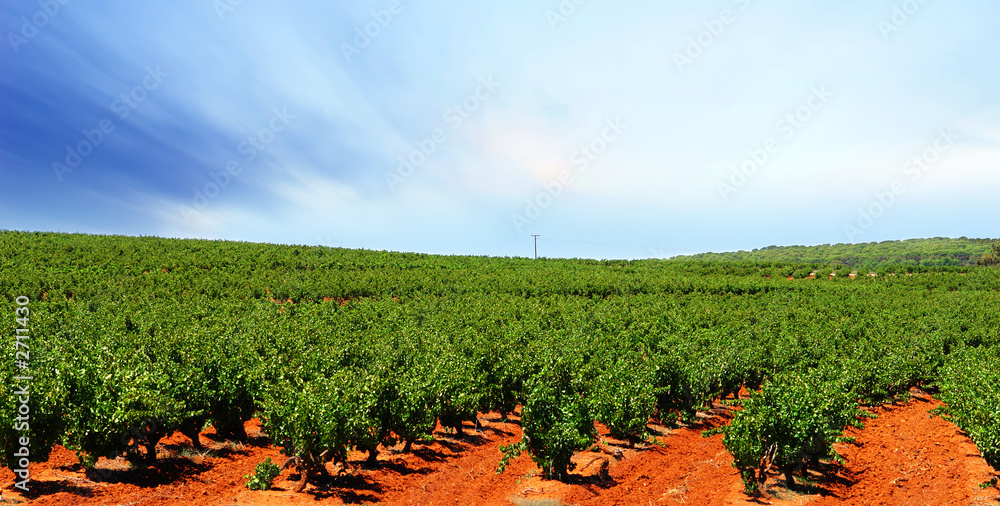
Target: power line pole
536,245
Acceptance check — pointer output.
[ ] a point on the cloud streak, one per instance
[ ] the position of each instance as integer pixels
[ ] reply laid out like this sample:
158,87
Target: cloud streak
124,118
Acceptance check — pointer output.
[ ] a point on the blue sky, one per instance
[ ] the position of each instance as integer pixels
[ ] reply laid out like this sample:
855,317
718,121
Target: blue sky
611,129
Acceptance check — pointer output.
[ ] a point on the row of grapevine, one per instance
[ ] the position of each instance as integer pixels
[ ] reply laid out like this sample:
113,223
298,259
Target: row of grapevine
134,339
971,388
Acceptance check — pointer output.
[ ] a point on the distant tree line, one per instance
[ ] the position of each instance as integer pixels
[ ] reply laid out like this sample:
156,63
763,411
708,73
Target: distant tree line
936,252
993,257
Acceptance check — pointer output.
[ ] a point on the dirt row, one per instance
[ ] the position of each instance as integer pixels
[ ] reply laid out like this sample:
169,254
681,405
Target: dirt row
905,456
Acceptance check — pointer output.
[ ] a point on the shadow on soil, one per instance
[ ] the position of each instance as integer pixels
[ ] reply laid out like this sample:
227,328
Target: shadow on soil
457,444
593,484
164,472
349,488
186,451
43,488
258,441
818,482
496,419
497,431
429,455
400,468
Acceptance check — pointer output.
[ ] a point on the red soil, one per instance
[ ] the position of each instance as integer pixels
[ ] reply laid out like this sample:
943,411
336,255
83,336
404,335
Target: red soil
907,456
902,457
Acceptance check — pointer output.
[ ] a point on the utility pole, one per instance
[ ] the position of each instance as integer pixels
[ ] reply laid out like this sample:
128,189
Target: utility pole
536,245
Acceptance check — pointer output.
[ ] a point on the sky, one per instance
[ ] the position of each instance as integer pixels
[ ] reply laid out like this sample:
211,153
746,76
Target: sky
608,129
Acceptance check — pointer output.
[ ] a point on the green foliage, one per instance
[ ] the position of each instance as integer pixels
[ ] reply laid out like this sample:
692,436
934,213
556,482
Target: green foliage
556,419
134,338
936,252
993,257
791,423
623,396
263,475
43,395
510,452
970,386
314,421
685,379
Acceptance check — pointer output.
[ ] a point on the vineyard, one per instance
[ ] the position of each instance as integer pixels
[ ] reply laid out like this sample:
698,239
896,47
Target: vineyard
341,351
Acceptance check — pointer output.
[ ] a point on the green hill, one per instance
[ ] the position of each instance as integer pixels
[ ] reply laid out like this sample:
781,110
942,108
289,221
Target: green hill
939,251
